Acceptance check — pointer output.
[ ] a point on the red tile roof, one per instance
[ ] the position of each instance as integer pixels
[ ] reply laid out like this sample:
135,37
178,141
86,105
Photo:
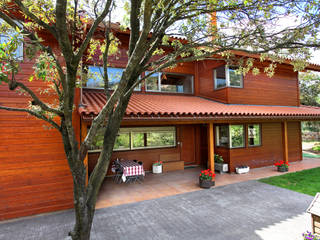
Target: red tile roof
156,105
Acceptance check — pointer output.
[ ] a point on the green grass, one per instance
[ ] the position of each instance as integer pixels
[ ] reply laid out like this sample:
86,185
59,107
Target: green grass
310,155
306,181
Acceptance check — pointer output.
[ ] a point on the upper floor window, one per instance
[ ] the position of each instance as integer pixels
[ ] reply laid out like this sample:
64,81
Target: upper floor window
95,77
170,82
7,36
227,76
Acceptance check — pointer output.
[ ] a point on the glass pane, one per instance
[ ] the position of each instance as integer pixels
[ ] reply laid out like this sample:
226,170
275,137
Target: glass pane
114,76
152,82
137,140
220,77
235,78
254,135
122,141
223,136
237,136
177,83
95,77
98,140
159,139
8,36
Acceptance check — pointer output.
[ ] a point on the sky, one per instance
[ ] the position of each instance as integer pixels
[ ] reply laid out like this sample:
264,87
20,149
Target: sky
286,22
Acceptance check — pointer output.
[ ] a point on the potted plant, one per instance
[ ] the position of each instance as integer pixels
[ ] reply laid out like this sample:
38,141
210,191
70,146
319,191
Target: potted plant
219,164
282,166
242,169
205,179
157,167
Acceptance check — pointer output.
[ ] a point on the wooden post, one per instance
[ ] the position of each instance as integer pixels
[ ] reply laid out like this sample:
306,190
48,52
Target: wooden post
84,128
210,146
285,141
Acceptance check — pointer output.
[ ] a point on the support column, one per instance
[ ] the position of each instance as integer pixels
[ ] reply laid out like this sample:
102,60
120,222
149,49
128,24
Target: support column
285,141
210,146
84,130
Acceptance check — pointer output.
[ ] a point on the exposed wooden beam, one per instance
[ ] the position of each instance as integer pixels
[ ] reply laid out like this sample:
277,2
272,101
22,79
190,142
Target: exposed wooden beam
285,141
84,129
210,146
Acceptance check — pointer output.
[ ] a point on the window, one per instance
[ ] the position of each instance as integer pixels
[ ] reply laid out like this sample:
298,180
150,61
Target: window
227,76
139,138
152,82
236,136
170,82
5,38
254,135
222,136
95,77
230,136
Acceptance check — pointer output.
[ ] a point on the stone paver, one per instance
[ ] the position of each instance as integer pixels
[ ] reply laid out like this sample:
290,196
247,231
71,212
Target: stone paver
243,211
172,183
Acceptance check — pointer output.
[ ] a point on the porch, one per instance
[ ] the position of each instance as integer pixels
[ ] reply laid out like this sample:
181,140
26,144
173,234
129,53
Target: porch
177,182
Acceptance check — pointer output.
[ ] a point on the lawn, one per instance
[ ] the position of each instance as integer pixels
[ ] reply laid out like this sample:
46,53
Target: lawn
310,155
306,181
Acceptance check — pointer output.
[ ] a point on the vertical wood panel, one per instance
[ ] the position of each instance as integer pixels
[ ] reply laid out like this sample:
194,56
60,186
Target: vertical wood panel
210,147
285,141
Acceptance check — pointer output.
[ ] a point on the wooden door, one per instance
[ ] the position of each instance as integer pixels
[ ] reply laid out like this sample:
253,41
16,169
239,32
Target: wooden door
187,136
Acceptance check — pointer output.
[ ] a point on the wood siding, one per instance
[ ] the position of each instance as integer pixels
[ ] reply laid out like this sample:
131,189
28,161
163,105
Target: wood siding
149,156
281,89
269,152
34,174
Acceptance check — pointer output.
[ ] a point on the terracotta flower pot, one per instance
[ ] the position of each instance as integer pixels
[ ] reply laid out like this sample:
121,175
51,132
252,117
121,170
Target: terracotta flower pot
282,169
206,183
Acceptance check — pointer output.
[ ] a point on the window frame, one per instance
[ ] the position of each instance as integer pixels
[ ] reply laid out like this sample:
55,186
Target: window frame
159,82
229,145
136,89
144,130
227,75
260,134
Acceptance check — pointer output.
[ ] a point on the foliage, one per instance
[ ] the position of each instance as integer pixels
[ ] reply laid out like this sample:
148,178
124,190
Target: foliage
298,181
316,147
218,158
309,88
62,36
207,175
281,163
237,135
158,163
309,236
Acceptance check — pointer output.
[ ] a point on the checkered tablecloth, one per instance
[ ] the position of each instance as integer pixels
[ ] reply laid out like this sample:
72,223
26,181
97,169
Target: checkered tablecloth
131,168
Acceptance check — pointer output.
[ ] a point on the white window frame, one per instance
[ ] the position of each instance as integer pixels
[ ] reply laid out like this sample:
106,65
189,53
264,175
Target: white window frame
227,79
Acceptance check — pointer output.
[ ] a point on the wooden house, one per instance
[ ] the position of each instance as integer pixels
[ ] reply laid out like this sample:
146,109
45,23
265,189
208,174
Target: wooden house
182,116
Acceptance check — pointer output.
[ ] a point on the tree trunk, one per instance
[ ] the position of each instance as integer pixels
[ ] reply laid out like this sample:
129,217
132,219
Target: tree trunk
84,217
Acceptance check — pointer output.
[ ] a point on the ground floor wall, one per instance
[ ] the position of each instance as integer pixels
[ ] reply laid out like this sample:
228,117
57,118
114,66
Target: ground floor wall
271,149
192,148
188,149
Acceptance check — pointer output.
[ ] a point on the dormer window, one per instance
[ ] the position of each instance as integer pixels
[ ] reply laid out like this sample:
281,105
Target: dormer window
227,76
170,83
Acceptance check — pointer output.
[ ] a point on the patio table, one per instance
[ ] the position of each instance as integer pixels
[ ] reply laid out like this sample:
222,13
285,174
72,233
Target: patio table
131,168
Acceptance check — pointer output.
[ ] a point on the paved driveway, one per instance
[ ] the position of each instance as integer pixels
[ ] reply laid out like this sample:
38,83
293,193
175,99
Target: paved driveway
247,210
